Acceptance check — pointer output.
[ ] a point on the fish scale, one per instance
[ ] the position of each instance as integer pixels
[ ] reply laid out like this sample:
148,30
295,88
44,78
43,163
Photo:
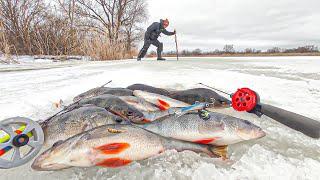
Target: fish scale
113,146
103,90
139,103
159,100
219,129
113,104
76,121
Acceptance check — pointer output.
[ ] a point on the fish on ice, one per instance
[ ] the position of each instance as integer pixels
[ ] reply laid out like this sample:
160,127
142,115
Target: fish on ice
114,146
218,130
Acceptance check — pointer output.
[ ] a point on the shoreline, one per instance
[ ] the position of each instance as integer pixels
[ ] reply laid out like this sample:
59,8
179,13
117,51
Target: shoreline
243,55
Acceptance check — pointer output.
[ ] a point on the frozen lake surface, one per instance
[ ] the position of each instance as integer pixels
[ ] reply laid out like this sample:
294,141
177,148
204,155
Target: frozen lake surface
292,83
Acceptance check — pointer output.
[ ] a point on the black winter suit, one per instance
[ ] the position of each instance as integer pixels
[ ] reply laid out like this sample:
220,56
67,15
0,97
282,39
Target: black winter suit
151,37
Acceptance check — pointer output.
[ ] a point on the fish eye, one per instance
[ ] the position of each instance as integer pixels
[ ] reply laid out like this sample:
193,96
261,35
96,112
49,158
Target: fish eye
118,120
130,113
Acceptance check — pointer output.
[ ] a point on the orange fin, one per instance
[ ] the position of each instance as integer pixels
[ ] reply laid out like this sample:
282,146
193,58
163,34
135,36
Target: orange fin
145,121
220,151
114,162
206,141
114,148
163,105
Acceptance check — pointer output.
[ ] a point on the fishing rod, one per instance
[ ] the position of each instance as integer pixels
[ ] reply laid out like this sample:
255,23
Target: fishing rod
65,110
215,89
245,99
176,41
106,83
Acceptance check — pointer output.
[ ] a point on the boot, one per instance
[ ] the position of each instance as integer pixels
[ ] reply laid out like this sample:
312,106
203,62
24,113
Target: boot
141,54
161,59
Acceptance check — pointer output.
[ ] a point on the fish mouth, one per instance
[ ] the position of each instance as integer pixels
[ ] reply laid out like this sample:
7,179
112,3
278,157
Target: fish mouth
226,104
260,133
47,162
135,116
137,119
128,118
251,134
54,158
40,164
119,114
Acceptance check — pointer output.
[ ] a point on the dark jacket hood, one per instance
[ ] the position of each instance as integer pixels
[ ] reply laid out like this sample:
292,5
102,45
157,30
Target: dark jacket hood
161,23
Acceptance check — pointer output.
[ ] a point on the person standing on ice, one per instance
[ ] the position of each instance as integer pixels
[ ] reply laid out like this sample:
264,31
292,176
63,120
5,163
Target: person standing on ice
151,37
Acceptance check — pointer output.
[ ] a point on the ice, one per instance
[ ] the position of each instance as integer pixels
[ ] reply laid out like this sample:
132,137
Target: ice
292,83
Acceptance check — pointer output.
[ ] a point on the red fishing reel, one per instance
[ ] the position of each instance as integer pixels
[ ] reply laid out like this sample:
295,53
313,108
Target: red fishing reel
245,99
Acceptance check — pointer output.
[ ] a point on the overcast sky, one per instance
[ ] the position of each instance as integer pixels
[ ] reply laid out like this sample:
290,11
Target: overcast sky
210,24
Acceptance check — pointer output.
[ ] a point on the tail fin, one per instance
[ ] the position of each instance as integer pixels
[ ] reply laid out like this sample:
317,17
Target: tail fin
219,151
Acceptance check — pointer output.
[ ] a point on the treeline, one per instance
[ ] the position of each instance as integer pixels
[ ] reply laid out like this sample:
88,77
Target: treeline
101,29
230,50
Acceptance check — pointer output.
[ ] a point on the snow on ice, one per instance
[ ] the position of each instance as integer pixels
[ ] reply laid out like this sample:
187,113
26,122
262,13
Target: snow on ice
293,83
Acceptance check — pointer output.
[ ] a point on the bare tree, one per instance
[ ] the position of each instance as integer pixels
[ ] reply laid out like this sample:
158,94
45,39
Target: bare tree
252,51
196,52
71,27
18,18
274,50
136,15
249,50
229,48
111,17
67,8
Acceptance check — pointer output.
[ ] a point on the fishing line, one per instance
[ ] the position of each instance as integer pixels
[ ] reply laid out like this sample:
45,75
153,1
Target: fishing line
215,89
